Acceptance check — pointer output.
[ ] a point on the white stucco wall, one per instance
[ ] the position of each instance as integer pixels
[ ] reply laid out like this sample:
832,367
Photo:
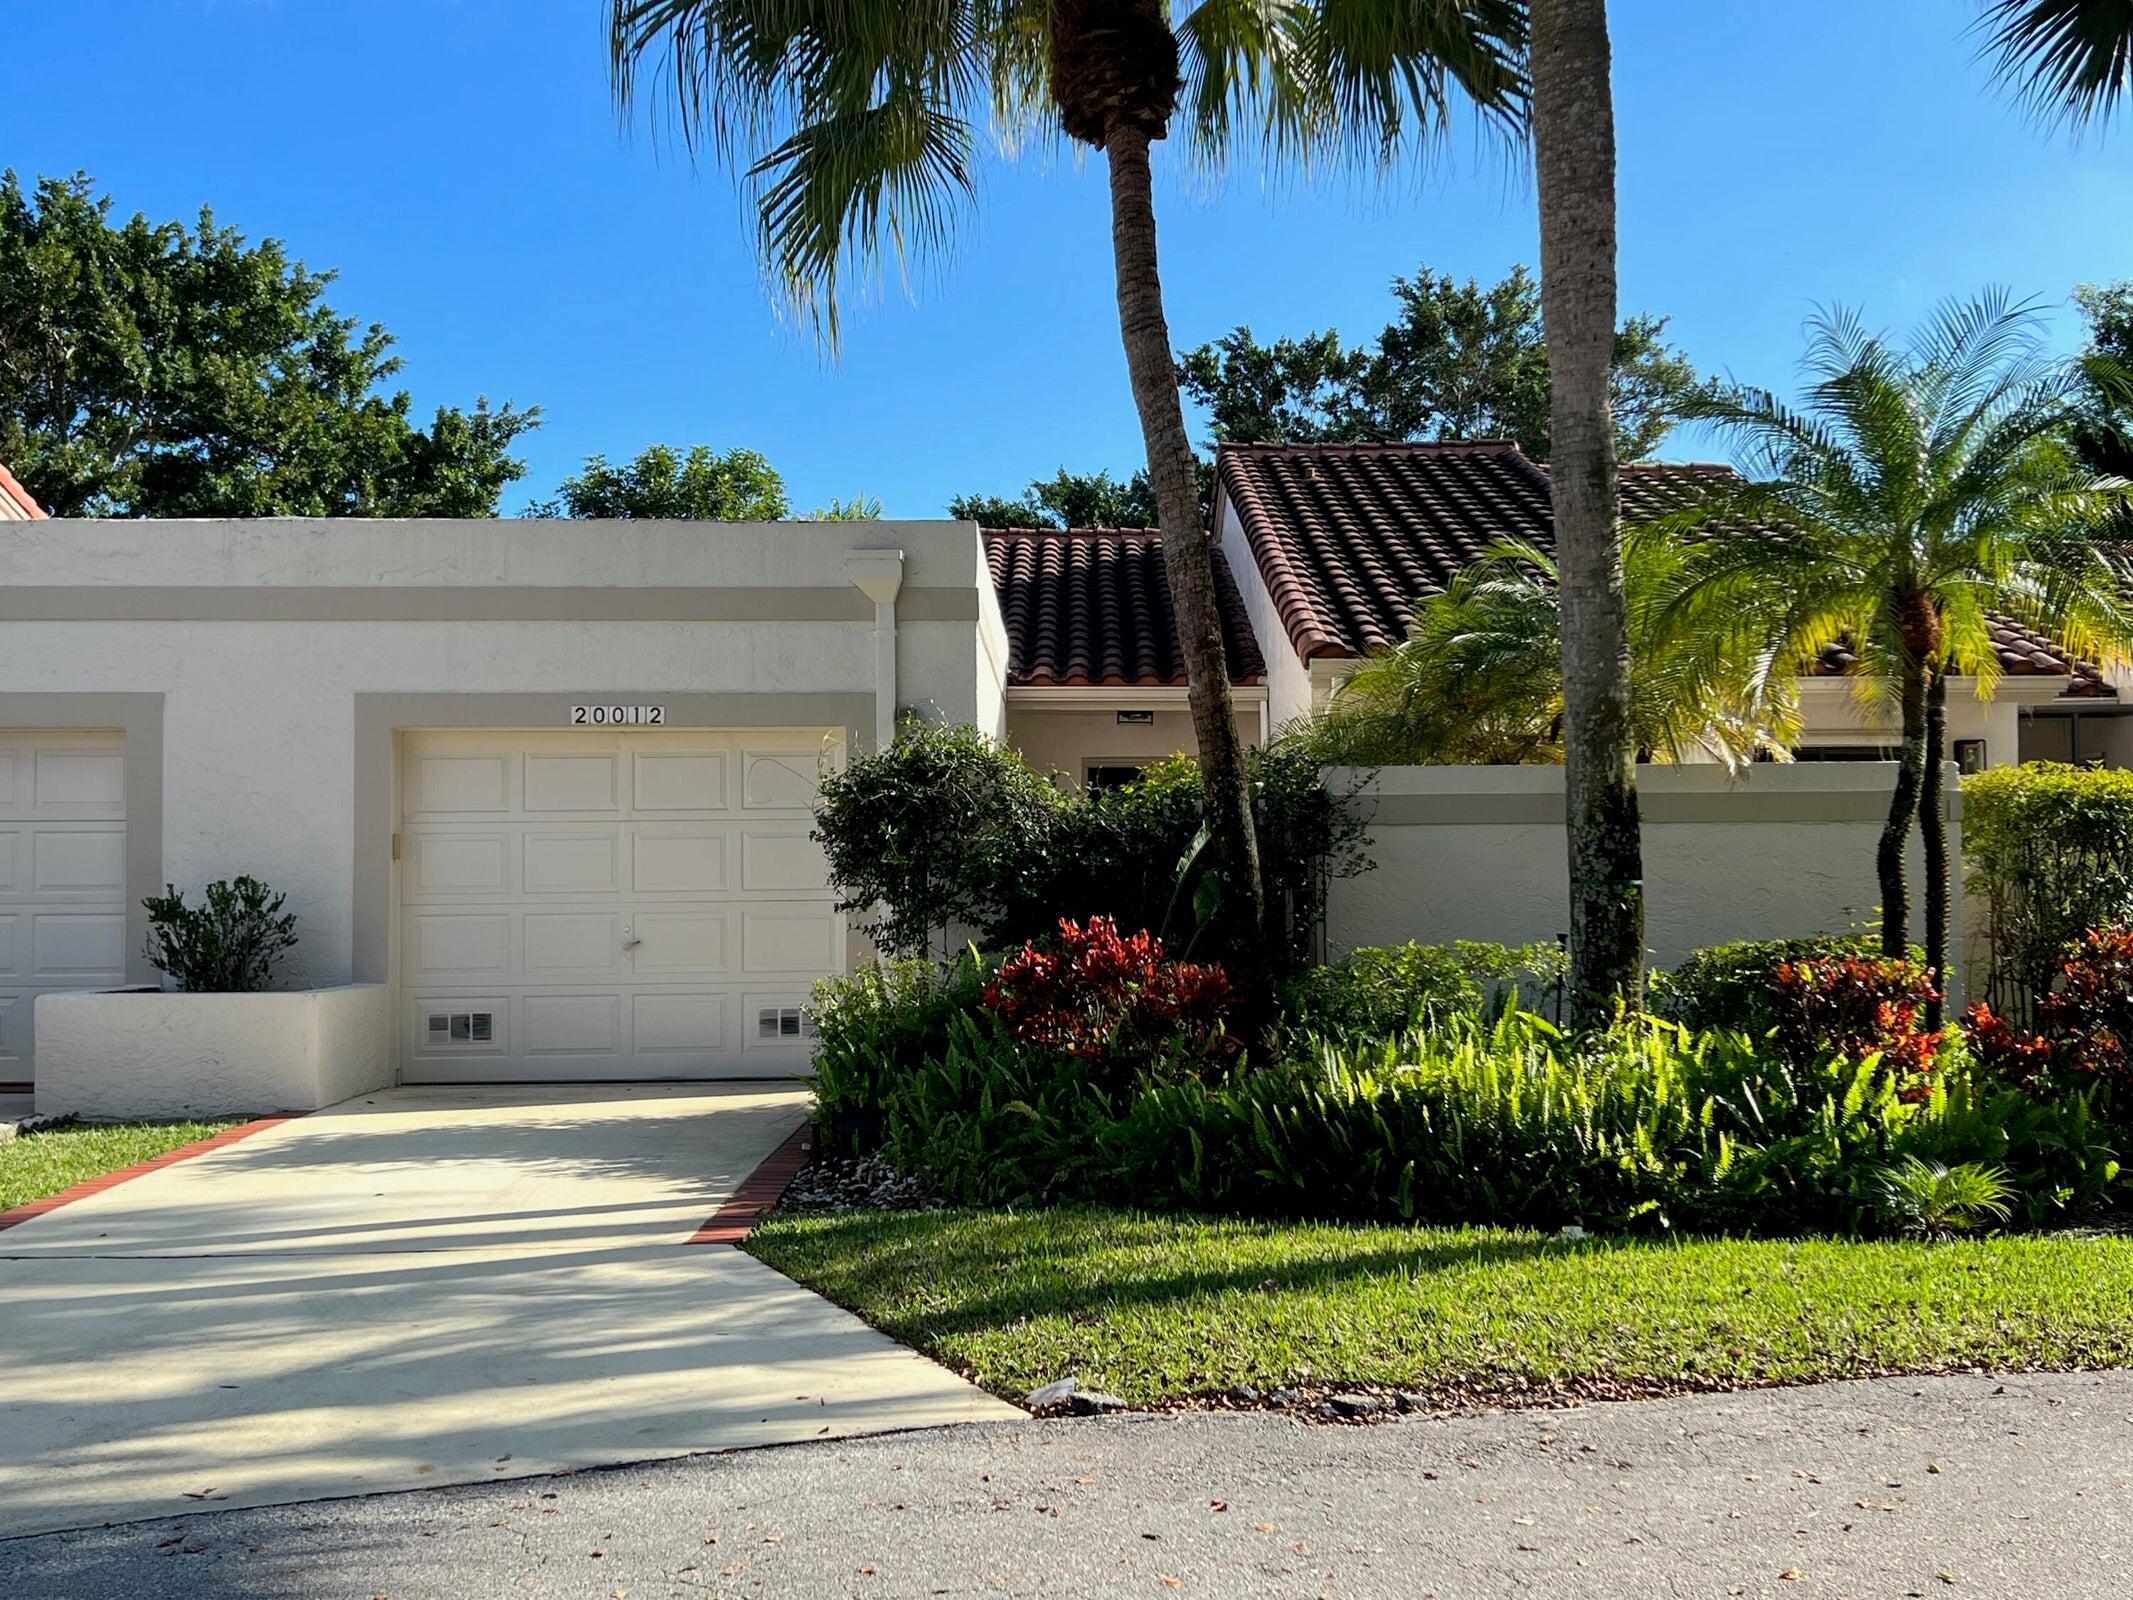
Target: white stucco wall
1288,680
123,1055
1069,741
1480,853
259,716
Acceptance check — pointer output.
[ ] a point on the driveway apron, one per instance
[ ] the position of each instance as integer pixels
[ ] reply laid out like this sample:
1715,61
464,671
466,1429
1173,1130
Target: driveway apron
425,1286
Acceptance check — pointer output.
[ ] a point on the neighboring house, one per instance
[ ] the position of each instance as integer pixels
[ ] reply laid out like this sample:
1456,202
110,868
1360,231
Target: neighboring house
1333,544
15,502
1095,678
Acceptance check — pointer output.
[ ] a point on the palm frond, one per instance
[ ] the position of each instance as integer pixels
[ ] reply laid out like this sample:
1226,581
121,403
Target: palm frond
2071,60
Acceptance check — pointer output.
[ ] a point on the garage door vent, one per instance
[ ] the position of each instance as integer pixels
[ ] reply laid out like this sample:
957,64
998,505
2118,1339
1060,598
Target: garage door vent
462,1027
786,1022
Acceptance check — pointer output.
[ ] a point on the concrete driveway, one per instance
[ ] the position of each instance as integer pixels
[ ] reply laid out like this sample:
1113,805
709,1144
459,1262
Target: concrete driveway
424,1286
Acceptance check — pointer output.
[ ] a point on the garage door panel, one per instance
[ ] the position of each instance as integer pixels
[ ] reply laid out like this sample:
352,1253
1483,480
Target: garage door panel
458,865
580,861
15,1034
621,912
71,862
679,942
680,780
571,945
781,859
589,782
679,1024
454,948
78,946
80,781
679,858
439,785
788,939
574,1024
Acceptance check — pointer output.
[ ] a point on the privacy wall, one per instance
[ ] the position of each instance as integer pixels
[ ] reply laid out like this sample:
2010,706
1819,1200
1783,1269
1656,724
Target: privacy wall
1480,853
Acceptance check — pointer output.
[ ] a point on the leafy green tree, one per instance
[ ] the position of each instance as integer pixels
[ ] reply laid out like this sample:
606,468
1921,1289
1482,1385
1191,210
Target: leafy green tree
148,370
1457,361
855,126
2103,428
1479,679
1066,500
698,484
1921,487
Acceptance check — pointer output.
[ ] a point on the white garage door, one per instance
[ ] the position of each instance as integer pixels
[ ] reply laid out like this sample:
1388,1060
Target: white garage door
62,876
611,905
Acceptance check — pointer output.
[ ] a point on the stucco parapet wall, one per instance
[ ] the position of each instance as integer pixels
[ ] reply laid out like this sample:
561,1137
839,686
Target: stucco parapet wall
146,1053
1805,792
498,555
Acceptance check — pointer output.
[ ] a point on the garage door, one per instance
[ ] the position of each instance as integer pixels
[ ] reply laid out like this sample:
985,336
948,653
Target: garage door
62,876
611,905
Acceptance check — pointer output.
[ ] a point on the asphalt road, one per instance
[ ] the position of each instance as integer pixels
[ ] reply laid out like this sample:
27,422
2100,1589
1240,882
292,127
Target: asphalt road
1907,1487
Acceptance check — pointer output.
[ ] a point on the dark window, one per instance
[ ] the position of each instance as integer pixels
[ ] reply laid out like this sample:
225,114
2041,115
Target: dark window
1111,777
1970,755
1845,752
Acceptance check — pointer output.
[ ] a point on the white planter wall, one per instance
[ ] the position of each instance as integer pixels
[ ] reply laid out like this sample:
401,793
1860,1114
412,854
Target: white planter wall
152,1055
1480,853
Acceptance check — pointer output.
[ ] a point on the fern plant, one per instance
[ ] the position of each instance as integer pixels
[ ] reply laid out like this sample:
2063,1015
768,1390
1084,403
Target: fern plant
1936,1201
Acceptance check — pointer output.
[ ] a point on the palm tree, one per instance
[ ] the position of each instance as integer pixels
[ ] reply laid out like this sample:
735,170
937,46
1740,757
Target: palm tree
2071,59
855,124
1917,490
1479,679
1574,149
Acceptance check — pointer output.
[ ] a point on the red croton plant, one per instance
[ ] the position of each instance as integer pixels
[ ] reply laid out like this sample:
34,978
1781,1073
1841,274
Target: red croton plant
1115,1002
1853,1006
2087,1019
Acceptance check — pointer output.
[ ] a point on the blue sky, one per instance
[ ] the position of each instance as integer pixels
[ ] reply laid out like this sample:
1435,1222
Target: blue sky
461,164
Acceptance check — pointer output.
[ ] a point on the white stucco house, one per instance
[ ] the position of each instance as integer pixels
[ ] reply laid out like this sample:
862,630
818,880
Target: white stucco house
542,790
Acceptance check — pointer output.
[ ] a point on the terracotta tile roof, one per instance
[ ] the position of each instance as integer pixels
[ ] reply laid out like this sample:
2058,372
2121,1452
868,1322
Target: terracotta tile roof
18,506
1349,537
1090,606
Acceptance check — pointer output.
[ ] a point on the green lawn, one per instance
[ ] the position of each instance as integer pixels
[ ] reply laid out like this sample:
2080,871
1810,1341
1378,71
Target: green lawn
34,1165
1156,1308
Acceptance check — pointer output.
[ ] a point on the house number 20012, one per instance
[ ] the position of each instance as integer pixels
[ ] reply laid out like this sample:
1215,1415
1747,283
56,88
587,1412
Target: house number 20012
618,716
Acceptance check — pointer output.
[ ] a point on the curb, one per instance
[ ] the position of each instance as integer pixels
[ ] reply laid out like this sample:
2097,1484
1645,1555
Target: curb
759,1191
31,1209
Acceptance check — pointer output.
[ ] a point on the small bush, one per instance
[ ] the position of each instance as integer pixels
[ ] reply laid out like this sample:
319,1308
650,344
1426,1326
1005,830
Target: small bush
1381,992
1113,1004
947,829
1852,1007
228,944
1733,985
2086,1042
876,1024
1936,1201
2051,850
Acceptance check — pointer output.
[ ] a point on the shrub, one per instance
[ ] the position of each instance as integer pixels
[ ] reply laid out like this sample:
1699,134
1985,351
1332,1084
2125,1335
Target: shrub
1851,1007
1501,1124
2087,1023
944,827
1380,992
875,1024
1733,985
228,944
1936,1201
947,828
2051,850
1113,1004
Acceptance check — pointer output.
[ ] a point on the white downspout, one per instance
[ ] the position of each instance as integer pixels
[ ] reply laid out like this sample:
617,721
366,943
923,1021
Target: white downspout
879,574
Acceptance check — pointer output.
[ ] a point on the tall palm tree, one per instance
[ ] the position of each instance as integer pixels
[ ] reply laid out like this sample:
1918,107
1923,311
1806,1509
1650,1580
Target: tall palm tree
856,123
1479,678
2071,59
1574,150
1918,489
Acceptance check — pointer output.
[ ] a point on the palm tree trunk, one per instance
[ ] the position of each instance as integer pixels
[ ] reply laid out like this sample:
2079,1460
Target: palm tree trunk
1188,563
1933,832
1903,808
1574,145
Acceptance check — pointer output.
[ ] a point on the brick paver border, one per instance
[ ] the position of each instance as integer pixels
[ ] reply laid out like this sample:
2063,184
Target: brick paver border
759,1191
31,1209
